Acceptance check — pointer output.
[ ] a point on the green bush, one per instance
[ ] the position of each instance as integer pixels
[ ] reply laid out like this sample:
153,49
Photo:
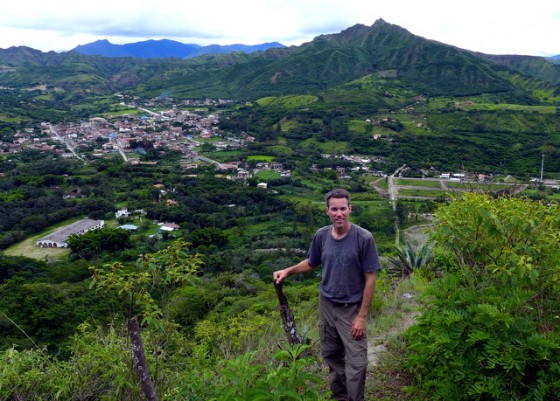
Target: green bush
491,329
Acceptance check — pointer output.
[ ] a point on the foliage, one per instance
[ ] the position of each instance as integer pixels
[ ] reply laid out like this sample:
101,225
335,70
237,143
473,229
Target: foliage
491,330
292,376
92,243
43,313
154,274
409,257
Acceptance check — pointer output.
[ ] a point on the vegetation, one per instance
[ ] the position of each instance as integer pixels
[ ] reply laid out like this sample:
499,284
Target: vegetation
490,329
199,301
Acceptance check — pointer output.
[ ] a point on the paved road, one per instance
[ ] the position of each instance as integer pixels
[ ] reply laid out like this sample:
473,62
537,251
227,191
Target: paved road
393,191
66,141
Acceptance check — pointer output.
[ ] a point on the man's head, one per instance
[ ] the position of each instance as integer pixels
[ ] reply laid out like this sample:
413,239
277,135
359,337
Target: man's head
339,208
338,193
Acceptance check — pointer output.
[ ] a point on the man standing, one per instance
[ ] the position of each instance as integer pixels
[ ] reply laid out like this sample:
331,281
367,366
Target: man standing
349,260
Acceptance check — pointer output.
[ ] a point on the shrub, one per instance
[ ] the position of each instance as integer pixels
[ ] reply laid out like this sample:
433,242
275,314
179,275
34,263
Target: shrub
491,330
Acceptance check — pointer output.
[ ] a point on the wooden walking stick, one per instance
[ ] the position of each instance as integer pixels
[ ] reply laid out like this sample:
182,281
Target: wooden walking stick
287,317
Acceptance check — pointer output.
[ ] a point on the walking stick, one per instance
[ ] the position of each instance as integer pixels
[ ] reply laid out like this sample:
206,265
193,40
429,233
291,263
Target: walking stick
287,317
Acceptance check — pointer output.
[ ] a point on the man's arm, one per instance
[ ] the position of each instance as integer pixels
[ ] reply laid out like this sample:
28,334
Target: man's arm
301,267
359,322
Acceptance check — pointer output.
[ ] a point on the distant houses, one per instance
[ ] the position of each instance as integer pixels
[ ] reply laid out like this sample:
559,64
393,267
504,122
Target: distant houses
58,238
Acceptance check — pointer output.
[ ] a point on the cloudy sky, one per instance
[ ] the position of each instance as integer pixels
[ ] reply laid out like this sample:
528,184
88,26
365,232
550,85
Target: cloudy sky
489,26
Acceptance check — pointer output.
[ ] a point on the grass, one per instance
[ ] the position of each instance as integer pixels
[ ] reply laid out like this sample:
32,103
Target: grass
420,192
289,102
418,183
267,175
392,314
224,155
261,158
28,249
326,146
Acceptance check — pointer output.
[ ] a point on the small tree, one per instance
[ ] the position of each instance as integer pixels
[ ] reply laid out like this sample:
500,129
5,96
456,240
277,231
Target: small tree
491,328
135,287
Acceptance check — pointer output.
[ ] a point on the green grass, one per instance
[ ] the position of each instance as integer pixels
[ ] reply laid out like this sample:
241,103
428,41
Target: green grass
326,146
267,175
288,125
509,107
281,150
359,126
225,155
421,192
380,182
418,183
29,249
289,102
261,158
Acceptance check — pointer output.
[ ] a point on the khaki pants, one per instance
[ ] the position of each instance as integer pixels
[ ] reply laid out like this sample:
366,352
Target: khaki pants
346,357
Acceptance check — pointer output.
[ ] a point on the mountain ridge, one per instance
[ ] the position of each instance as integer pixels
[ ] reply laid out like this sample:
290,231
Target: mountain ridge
165,48
329,60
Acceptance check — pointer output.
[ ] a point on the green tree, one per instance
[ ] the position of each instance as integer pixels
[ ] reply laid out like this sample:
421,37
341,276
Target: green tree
92,243
135,289
208,236
491,329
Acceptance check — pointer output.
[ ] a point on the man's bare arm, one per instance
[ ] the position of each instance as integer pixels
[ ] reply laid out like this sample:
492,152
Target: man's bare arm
359,323
301,267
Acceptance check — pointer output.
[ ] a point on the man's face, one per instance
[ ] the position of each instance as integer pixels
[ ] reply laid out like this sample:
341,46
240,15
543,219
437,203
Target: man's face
338,211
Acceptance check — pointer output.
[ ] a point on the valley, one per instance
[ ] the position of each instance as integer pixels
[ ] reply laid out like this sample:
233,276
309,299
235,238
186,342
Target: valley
210,174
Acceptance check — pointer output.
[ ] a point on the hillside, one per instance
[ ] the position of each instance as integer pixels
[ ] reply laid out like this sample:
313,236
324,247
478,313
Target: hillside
236,152
327,61
377,89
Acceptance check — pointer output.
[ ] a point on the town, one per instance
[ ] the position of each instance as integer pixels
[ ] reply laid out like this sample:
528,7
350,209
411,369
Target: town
187,126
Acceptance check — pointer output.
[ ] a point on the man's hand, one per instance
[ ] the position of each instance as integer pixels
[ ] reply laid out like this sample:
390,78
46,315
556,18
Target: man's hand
358,327
279,276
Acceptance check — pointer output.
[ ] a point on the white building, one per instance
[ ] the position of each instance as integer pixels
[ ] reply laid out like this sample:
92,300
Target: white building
58,238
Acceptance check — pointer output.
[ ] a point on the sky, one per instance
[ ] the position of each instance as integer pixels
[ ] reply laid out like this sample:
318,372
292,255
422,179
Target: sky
489,26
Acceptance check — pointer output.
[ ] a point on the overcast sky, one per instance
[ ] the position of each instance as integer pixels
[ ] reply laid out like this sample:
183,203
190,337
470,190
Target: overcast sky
489,26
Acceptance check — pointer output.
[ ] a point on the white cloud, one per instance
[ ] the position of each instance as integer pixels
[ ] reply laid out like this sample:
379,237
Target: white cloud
496,26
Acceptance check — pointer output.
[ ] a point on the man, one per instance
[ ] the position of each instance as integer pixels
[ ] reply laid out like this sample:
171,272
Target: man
349,260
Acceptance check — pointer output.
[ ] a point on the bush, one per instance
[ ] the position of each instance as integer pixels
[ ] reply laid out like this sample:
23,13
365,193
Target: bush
491,330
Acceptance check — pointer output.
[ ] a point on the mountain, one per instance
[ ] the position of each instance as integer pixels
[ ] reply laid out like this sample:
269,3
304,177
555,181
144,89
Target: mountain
555,59
383,51
164,49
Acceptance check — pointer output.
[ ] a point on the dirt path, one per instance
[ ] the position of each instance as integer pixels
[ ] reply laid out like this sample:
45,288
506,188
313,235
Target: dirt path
377,344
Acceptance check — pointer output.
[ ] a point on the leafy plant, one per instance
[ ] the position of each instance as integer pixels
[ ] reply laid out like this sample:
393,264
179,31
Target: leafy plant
137,287
491,330
290,377
409,257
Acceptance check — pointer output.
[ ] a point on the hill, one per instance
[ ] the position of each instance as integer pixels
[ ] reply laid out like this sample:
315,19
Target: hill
383,50
377,89
164,48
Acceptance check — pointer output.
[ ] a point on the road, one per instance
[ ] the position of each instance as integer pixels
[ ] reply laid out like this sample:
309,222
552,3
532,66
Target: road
392,188
65,140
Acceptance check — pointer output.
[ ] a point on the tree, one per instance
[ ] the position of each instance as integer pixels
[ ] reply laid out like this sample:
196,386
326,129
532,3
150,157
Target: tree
208,236
135,287
92,243
491,330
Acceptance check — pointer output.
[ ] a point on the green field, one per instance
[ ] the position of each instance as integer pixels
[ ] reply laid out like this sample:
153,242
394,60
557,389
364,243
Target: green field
418,183
261,158
421,192
28,249
267,175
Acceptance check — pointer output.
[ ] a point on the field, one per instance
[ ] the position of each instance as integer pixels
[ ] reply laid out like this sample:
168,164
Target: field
28,249
418,183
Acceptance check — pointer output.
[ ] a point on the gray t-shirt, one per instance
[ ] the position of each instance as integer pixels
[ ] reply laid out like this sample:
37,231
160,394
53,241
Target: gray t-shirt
344,262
